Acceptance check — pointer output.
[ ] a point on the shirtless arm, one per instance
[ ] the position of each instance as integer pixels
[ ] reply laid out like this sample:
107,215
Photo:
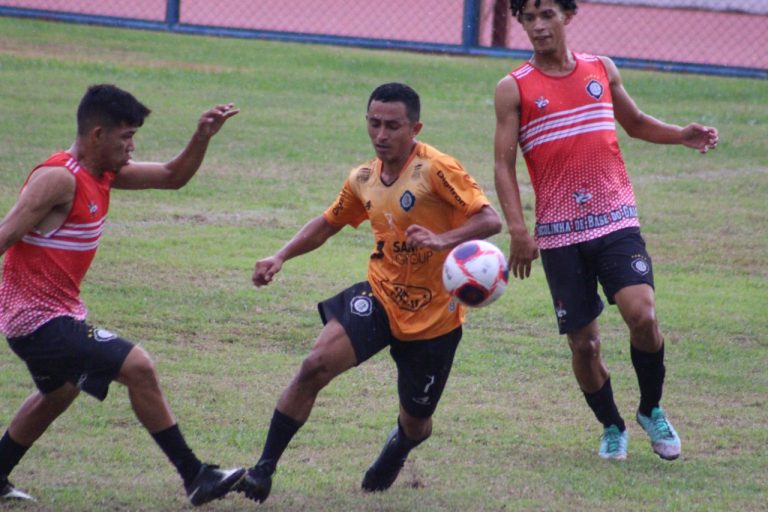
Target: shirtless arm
640,125
177,172
522,247
43,203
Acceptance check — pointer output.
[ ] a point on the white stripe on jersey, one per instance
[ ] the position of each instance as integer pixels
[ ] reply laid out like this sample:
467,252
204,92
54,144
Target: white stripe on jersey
60,244
73,165
562,134
565,113
603,114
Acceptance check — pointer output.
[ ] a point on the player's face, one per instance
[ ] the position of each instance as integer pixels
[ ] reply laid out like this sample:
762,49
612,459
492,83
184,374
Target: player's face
545,25
391,132
117,146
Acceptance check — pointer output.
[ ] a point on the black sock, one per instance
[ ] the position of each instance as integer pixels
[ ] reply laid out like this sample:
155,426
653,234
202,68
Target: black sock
650,376
402,445
11,453
175,448
604,407
282,428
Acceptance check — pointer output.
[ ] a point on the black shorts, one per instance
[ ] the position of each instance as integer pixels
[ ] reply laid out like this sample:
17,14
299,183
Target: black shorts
68,350
423,366
616,260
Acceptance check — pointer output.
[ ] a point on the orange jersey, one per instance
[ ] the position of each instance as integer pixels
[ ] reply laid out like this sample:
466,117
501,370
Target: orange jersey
433,191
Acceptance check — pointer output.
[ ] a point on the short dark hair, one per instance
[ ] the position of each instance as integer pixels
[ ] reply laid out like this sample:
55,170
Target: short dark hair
517,6
109,106
392,92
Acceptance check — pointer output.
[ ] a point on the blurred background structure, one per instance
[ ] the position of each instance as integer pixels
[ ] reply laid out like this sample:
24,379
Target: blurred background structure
722,37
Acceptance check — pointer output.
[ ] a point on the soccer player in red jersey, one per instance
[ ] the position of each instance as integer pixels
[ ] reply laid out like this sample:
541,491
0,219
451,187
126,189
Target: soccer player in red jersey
49,239
559,108
420,203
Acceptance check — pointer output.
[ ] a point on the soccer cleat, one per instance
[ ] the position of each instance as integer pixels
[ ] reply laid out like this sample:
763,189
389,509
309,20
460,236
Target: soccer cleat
383,472
613,444
664,439
257,482
9,492
212,483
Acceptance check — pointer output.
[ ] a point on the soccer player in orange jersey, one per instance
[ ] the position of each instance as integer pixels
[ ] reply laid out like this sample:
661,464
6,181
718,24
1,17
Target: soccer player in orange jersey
49,239
420,203
559,107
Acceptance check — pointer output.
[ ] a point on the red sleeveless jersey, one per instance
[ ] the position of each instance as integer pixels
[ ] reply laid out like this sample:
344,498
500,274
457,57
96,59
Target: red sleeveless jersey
568,138
42,272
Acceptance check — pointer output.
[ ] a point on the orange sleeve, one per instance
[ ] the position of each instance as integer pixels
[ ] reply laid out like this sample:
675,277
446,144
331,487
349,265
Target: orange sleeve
346,209
456,187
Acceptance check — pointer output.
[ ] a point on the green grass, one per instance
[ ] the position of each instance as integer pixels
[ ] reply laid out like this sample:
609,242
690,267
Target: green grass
513,431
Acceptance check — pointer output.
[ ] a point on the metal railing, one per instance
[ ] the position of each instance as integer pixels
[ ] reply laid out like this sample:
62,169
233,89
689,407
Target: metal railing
721,37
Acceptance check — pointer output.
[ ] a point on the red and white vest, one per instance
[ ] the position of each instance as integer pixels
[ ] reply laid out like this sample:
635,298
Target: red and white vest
42,272
568,138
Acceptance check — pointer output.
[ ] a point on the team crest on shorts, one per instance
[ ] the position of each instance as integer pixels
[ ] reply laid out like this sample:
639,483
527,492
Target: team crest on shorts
103,335
640,265
407,200
595,89
361,305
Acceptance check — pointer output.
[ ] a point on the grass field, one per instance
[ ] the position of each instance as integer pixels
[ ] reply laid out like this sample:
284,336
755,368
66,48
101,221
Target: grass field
512,431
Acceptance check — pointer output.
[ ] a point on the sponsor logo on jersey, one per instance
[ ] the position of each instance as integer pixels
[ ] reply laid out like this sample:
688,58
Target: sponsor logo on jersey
581,196
641,265
407,200
595,89
541,102
361,305
450,188
363,175
407,297
339,207
405,254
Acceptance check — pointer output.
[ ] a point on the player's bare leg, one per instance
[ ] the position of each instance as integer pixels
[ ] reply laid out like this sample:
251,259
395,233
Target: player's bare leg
594,381
331,355
32,419
202,482
638,308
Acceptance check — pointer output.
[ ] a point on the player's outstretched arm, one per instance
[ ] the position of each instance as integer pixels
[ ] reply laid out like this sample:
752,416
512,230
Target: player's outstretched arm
310,237
43,204
640,125
177,172
522,247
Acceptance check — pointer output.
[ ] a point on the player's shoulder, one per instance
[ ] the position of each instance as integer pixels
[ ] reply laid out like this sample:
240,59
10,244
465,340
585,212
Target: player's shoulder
520,72
361,173
432,158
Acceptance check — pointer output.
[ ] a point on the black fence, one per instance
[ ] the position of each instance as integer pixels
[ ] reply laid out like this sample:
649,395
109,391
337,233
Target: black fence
722,37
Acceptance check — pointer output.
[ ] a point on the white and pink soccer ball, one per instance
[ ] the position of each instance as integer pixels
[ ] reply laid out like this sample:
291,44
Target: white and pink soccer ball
475,273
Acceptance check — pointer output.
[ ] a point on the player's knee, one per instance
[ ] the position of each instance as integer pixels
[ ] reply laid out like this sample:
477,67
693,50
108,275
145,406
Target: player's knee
416,429
642,321
315,371
585,347
139,369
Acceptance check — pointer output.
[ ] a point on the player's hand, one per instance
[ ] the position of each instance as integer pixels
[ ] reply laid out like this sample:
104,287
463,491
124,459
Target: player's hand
212,120
522,251
419,236
700,138
265,270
